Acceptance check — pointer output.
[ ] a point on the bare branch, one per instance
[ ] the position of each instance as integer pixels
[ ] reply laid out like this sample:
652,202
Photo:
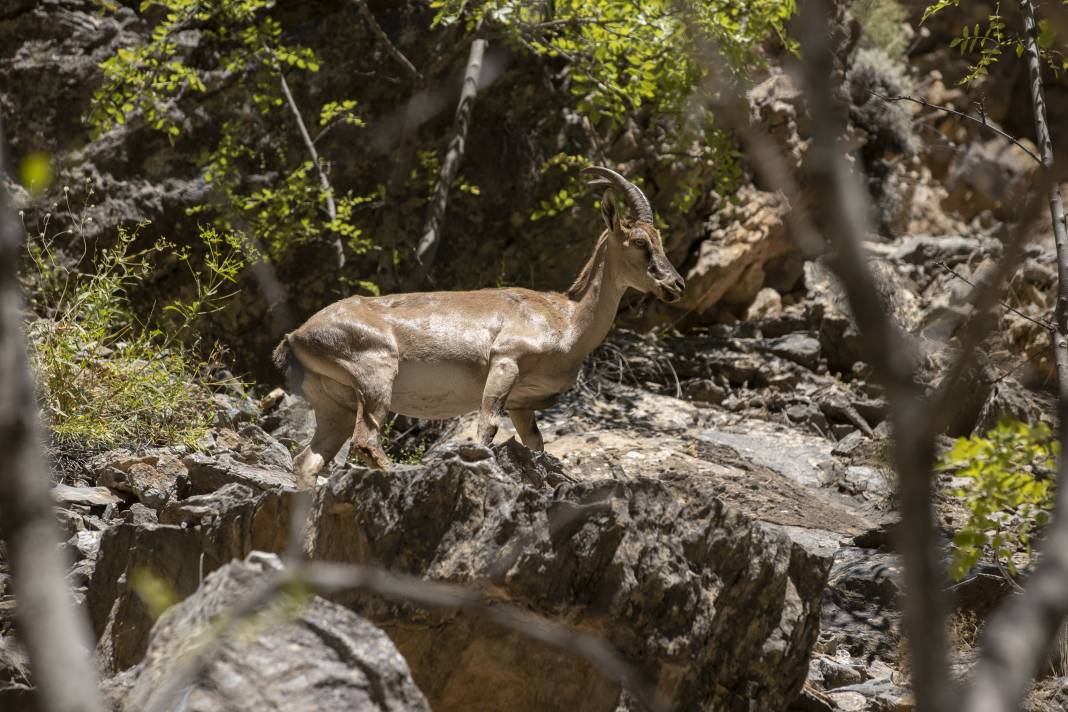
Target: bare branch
56,634
981,119
387,44
431,239
331,208
1020,634
332,578
979,303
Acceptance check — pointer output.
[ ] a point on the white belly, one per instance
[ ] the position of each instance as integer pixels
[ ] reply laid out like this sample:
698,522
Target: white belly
437,390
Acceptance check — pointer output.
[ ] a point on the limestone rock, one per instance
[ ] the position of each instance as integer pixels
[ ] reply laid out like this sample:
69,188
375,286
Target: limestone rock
718,609
802,349
91,496
838,333
152,478
743,236
208,473
778,106
196,536
766,304
319,658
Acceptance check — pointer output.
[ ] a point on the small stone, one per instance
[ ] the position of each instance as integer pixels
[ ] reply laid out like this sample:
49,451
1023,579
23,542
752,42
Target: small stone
802,349
861,479
271,401
848,701
849,444
704,390
140,515
837,674
92,496
766,305
152,479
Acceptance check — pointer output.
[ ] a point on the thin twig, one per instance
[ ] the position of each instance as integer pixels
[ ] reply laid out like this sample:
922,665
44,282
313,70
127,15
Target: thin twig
980,120
1019,635
1031,357
324,182
1044,324
387,44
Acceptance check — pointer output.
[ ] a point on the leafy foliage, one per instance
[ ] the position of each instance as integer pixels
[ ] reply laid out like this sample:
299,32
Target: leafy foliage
625,78
990,40
104,376
626,54
286,204
625,57
1008,494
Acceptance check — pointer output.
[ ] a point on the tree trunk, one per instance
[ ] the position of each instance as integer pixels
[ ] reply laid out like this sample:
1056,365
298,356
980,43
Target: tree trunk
431,239
1020,635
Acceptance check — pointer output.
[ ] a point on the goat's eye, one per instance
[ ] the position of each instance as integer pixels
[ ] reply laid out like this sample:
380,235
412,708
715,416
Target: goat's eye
640,242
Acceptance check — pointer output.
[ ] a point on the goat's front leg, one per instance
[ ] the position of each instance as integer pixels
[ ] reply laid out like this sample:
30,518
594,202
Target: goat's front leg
499,384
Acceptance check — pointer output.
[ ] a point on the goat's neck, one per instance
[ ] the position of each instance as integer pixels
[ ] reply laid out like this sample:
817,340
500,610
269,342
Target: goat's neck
595,299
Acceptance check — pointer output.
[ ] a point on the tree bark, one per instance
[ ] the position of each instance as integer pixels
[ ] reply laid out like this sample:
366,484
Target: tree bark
427,249
1020,635
55,633
842,210
383,39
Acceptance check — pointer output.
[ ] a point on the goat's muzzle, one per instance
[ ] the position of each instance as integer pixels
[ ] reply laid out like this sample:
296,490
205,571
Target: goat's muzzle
671,288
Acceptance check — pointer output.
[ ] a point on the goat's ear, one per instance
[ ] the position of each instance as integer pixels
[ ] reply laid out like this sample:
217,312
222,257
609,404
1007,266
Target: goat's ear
610,212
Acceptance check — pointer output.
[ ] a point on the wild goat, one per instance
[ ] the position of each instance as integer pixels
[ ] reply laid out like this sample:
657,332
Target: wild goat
442,354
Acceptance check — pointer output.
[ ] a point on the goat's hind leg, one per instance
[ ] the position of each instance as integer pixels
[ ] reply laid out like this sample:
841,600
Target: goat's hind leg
365,437
334,422
371,396
527,428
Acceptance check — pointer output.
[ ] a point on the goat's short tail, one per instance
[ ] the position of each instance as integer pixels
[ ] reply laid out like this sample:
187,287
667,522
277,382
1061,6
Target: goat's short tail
287,362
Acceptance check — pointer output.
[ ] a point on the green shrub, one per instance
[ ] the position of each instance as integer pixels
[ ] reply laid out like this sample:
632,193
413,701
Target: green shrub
105,376
264,179
1008,495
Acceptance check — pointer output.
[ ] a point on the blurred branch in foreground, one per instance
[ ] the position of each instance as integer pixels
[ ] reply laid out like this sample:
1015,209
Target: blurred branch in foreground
843,218
331,578
55,633
834,203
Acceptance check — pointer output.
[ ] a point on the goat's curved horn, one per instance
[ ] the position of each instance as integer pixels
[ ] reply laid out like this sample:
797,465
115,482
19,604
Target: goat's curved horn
636,200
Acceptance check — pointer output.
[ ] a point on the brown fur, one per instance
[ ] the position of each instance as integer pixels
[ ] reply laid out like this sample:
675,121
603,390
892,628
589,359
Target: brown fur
286,362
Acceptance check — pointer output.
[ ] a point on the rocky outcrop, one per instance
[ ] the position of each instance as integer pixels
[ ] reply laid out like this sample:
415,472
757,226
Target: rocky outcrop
715,602
718,609
164,562
307,654
742,238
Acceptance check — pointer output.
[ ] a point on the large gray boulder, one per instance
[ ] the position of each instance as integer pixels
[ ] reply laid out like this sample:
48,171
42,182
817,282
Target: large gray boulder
194,537
720,611
305,654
